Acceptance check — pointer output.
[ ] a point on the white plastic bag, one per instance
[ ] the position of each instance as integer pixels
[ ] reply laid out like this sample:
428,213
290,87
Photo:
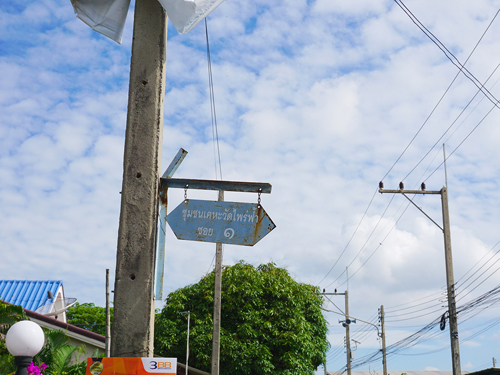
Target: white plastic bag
186,14
104,16
108,16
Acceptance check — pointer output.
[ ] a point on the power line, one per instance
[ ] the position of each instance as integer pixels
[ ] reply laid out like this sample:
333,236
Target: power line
448,54
442,96
380,244
364,245
348,243
452,124
481,89
215,131
478,263
461,143
429,332
388,310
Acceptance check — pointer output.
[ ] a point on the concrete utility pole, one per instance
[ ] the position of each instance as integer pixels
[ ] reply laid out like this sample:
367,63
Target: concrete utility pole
108,316
450,283
217,304
188,313
382,325
347,333
133,329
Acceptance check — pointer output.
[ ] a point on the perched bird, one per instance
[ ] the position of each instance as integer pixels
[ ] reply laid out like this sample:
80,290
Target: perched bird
401,185
380,185
423,186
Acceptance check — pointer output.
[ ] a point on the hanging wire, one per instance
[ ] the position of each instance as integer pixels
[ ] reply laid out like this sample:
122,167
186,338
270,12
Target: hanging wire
453,123
461,70
446,91
461,143
448,54
352,236
215,131
213,114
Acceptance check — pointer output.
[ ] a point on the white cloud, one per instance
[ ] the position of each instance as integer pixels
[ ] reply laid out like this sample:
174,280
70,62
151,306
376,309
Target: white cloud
318,98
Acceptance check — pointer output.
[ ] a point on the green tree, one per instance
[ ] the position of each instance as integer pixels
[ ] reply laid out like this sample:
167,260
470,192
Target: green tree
9,314
89,317
59,355
270,324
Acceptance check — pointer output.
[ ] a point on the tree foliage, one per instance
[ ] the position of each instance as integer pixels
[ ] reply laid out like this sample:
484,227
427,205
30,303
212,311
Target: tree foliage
9,314
57,353
89,317
270,324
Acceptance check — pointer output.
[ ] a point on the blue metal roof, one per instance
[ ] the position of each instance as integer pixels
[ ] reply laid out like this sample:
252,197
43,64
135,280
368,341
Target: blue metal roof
29,294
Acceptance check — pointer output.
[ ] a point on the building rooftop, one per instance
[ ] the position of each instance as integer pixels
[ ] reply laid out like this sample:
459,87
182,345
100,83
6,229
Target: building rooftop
27,293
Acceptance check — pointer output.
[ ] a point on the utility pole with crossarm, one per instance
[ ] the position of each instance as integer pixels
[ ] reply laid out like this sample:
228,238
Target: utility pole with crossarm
450,283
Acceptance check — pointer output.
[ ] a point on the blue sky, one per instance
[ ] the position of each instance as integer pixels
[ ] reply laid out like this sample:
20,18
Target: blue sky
320,99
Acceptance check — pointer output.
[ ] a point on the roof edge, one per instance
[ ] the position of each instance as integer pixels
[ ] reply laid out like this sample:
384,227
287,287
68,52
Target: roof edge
62,325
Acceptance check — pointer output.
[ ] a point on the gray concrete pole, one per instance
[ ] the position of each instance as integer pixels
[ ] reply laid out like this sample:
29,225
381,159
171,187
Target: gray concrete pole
347,334
108,317
382,324
217,305
450,284
133,322
187,345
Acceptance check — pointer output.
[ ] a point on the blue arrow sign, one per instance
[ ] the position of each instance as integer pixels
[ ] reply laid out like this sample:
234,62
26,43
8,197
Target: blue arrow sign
216,221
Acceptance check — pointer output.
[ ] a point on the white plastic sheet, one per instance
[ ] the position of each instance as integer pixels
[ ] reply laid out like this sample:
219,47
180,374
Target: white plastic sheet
186,14
108,16
104,16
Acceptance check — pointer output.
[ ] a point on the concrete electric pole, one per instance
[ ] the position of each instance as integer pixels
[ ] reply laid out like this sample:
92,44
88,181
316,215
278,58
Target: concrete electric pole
348,320
382,326
450,283
133,322
107,344
217,304
347,334
346,324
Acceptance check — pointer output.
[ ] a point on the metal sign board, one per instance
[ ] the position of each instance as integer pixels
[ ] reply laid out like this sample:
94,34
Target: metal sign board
217,221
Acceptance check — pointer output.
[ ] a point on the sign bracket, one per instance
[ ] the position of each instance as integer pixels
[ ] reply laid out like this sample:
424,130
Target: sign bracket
243,187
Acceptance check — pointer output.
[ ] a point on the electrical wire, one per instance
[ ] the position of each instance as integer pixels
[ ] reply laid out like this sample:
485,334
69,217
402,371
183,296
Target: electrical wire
429,332
452,124
463,288
349,242
442,96
411,312
481,90
389,310
380,244
215,131
364,245
448,54
338,308
461,143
